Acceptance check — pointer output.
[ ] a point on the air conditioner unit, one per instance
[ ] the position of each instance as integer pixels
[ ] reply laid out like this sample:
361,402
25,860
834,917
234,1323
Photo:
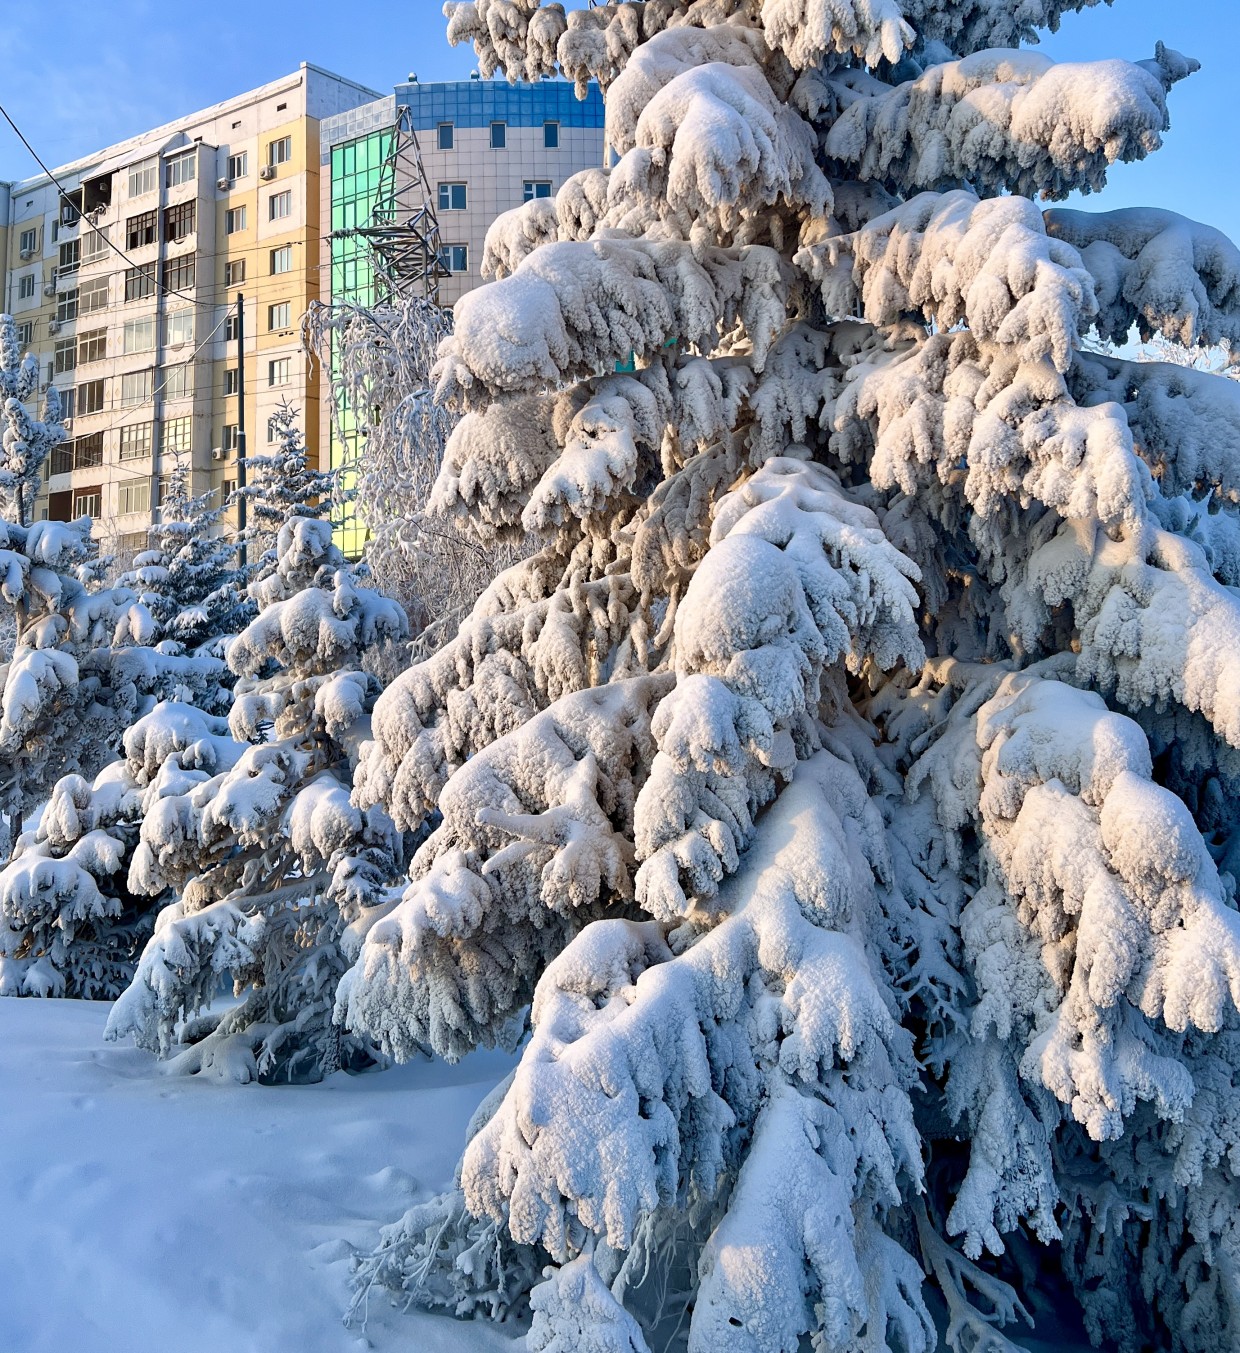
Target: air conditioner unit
53,326
50,289
27,253
218,453
267,173
223,184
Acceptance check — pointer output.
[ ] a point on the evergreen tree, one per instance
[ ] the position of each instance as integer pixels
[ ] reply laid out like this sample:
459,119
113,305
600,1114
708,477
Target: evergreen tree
849,781
263,855
281,485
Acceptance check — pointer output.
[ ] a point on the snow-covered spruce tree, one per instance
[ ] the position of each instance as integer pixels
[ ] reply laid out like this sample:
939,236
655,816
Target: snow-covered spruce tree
851,776
190,589
282,485
380,360
255,842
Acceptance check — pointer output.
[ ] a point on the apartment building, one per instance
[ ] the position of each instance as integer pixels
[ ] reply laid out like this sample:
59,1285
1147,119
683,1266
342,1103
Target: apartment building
125,276
486,146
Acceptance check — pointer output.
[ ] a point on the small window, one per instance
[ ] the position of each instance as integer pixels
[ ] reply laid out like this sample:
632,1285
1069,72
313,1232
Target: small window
551,135
235,125
94,296
179,381
230,439
280,372
280,107
179,273
536,188
90,397
95,245
282,260
135,441
88,452
137,387
453,197
65,357
139,284
92,347
234,272
499,135
281,151
70,257
140,230
25,288
25,334
88,502
179,221
66,306
29,241
280,205
139,335
177,436
238,165
455,257
144,177
234,220
231,328
446,133
229,488
182,168
279,316
134,496
232,381
178,328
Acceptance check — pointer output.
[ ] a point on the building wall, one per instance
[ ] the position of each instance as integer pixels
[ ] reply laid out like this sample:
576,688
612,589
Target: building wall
495,179
185,341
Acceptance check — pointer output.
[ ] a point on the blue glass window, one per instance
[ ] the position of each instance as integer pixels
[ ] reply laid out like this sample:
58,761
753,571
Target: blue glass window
551,135
453,197
454,257
535,188
499,135
445,136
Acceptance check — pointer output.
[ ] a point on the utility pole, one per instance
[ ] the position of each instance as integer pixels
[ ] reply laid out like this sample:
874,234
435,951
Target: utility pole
241,423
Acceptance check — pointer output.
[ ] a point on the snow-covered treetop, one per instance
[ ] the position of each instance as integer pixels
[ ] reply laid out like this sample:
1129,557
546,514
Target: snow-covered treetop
27,442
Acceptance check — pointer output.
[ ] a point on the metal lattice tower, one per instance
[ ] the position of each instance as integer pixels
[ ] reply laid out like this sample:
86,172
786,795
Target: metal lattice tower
403,234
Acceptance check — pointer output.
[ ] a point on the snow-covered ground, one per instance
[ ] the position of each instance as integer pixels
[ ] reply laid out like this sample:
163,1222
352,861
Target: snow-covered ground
142,1212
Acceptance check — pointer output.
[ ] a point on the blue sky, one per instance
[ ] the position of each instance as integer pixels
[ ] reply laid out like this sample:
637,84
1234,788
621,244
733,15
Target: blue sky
126,65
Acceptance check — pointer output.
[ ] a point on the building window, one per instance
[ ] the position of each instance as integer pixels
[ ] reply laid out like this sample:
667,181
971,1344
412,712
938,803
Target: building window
140,230
180,169
88,452
281,151
535,188
139,335
238,166
25,334
29,241
179,381
234,272
65,358
179,221
499,135
280,205
71,209
95,245
178,328
229,487
177,437
280,372
70,257
179,273
446,135
229,440
551,135
231,328
139,284
25,288
144,177
454,257
134,497
282,260
137,387
136,440
232,381
90,397
279,316
92,347
453,197
88,502
66,306
234,220
93,296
